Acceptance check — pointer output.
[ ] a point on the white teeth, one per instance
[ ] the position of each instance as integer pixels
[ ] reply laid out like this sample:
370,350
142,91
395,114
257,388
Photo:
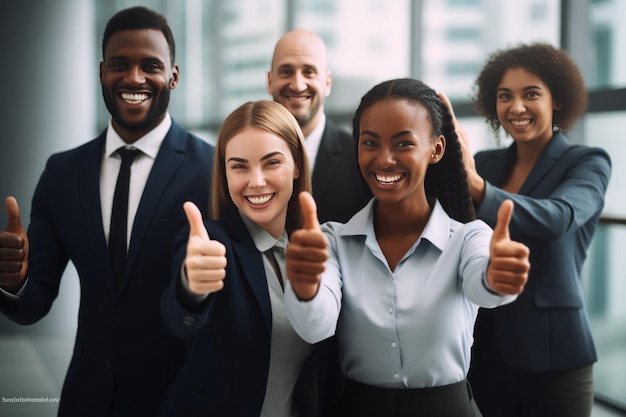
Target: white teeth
520,122
298,98
134,98
260,199
389,179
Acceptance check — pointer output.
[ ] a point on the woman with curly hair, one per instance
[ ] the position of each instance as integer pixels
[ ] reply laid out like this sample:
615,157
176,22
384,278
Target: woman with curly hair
403,278
534,357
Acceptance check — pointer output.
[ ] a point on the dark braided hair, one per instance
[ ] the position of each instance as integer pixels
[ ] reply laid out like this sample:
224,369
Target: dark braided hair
139,17
552,65
447,179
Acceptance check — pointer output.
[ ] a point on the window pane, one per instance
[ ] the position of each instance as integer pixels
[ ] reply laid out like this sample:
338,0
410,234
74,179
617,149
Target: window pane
604,278
608,35
459,35
373,47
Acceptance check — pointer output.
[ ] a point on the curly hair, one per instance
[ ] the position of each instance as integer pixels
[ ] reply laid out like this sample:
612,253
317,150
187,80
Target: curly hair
139,17
552,65
447,179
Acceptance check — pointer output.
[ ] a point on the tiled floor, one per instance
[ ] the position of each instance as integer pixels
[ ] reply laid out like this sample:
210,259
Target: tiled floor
32,369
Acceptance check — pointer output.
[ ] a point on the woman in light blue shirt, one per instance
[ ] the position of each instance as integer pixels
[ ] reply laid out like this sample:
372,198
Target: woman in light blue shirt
400,283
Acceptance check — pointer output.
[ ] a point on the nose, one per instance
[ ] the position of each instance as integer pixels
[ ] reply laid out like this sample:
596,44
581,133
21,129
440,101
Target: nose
386,158
257,178
297,82
517,105
135,75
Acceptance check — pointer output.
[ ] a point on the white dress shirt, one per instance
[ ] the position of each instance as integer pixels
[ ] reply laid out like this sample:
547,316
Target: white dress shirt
312,142
149,146
407,328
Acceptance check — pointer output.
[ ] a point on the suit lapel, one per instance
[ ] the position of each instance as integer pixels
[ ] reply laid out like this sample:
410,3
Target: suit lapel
91,207
251,262
546,162
327,158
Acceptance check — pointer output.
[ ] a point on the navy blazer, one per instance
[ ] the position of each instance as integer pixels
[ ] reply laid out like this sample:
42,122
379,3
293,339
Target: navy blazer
555,215
124,359
338,187
228,363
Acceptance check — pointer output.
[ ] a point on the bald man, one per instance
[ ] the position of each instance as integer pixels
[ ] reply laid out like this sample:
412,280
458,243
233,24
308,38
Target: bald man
301,81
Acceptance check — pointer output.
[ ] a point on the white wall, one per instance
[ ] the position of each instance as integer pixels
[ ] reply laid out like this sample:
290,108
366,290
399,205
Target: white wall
48,88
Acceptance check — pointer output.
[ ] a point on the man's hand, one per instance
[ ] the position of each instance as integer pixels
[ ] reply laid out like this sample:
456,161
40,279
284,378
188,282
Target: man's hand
307,252
509,264
13,249
205,264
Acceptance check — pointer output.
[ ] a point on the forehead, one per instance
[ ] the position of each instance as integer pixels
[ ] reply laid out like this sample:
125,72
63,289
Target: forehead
516,77
253,143
395,115
300,51
138,42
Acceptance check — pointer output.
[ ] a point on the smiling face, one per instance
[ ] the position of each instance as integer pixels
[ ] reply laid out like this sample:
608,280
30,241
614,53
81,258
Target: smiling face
136,78
525,106
299,78
395,149
260,172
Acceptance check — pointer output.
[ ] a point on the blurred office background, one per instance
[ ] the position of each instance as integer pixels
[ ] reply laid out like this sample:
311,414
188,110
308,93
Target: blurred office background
50,101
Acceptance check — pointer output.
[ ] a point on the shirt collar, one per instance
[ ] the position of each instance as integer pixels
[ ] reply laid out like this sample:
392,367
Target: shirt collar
436,231
149,144
262,239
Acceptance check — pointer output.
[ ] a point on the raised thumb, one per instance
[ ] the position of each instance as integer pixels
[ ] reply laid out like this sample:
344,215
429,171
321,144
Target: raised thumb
13,216
196,225
309,211
501,231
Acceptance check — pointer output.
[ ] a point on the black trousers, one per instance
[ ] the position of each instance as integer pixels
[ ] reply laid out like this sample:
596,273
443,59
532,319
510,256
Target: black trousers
453,400
502,391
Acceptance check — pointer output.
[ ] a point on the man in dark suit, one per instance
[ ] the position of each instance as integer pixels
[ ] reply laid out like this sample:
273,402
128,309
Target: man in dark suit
299,79
124,359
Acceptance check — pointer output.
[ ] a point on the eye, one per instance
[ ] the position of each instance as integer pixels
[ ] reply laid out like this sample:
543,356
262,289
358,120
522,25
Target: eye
273,162
368,143
503,96
404,144
116,65
532,94
237,166
285,72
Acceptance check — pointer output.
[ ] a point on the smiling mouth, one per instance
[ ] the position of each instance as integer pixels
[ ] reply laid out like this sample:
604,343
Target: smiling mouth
297,98
388,179
134,98
259,200
520,123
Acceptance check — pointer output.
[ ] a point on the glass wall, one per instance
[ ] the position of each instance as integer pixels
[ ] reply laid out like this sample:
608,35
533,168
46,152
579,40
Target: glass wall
225,47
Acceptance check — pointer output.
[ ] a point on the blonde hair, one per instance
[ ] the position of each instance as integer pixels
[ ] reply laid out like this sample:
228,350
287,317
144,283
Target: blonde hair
277,120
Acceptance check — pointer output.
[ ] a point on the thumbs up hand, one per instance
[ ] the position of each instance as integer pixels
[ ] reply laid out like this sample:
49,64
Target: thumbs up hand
509,264
205,263
13,249
307,252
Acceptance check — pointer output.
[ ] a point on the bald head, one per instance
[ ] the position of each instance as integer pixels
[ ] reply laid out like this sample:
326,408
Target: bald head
299,78
301,42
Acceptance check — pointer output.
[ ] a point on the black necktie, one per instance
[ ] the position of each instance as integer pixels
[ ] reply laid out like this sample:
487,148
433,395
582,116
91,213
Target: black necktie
119,214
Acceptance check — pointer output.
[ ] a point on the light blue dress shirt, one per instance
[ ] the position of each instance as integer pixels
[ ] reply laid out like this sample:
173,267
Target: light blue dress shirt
407,328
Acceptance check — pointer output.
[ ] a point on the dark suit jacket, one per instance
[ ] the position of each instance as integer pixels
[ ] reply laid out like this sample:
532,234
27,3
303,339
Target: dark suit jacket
555,215
228,364
338,187
124,357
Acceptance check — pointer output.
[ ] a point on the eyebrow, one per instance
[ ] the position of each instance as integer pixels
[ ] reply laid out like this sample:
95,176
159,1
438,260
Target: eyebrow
263,158
394,136
530,87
